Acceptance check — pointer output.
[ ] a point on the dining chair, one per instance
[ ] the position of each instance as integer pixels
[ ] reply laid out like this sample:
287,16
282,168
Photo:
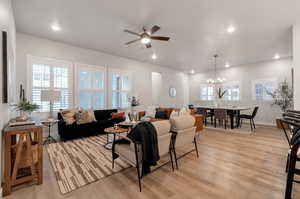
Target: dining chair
184,134
132,152
291,166
249,117
287,124
206,114
221,116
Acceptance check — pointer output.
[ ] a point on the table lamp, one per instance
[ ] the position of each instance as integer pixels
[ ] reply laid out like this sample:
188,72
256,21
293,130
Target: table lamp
50,96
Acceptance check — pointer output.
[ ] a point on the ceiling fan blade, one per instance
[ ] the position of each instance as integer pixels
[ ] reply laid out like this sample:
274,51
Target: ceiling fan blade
154,29
160,38
148,45
131,32
130,42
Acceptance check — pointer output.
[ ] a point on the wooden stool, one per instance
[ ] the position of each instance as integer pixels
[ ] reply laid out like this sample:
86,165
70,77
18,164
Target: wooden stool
23,159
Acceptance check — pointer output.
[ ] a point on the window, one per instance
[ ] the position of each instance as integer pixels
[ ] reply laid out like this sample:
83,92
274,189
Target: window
120,83
91,88
207,93
232,91
261,87
49,74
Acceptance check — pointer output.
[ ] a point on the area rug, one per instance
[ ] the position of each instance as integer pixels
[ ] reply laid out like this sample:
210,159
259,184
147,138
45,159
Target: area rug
80,162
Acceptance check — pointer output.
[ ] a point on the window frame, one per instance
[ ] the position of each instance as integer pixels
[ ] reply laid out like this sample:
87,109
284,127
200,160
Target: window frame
232,83
202,96
263,81
79,66
110,85
51,62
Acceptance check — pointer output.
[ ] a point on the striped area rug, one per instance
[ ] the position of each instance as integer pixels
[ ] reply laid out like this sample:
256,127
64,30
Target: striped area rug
80,162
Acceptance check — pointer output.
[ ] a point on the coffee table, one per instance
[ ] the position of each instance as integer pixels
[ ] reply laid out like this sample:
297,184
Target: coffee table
113,131
127,124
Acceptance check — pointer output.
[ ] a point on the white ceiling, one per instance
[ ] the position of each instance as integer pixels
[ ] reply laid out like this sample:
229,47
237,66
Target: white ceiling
196,27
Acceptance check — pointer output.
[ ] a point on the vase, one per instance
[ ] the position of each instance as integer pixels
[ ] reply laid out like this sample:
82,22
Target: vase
24,116
218,103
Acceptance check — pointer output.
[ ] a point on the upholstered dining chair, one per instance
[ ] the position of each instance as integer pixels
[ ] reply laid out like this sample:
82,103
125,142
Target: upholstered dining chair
206,114
221,116
132,152
250,117
184,133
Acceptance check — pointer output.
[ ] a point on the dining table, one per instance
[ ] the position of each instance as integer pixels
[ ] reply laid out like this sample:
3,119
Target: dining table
232,111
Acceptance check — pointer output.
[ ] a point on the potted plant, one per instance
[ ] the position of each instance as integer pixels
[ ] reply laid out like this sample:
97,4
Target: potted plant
282,97
24,106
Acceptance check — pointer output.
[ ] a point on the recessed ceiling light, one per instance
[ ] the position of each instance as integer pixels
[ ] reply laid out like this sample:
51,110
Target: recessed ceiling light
55,27
227,65
154,56
231,29
192,71
276,56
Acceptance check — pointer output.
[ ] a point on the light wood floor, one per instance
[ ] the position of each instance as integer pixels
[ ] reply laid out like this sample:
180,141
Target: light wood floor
231,165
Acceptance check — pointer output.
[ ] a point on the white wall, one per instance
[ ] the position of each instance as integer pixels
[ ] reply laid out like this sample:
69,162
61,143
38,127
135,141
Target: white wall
278,69
141,72
7,24
296,64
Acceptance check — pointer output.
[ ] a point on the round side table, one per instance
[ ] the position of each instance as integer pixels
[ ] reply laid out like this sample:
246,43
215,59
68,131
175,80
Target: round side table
113,131
49,123
127,125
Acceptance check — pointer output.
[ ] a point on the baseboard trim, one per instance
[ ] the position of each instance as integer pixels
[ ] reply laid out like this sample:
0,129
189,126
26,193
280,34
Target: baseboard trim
261,124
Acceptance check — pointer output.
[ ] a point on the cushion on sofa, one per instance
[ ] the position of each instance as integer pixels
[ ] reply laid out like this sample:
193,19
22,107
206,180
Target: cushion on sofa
174,113
160,114
68,115
104,114
167,110
119,115
85,116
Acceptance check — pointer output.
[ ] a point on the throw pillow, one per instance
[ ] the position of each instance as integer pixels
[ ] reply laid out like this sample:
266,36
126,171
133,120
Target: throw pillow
83,117
150,112
160,114
91,115
120,115
174,114
68,116
183,111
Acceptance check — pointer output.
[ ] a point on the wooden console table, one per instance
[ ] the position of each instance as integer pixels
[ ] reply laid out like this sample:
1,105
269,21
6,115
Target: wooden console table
23,158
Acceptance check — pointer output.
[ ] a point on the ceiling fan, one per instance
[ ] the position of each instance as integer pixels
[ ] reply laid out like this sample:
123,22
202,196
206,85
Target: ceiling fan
146,36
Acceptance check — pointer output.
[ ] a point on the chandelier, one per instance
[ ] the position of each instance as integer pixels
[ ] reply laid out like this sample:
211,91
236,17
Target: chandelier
215,80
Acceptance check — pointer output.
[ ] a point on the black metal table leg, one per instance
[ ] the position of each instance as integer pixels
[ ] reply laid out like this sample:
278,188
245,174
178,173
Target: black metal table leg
109,144
238,118
49,139
231,115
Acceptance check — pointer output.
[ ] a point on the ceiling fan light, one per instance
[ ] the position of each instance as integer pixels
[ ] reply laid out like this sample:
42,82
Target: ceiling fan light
145,40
